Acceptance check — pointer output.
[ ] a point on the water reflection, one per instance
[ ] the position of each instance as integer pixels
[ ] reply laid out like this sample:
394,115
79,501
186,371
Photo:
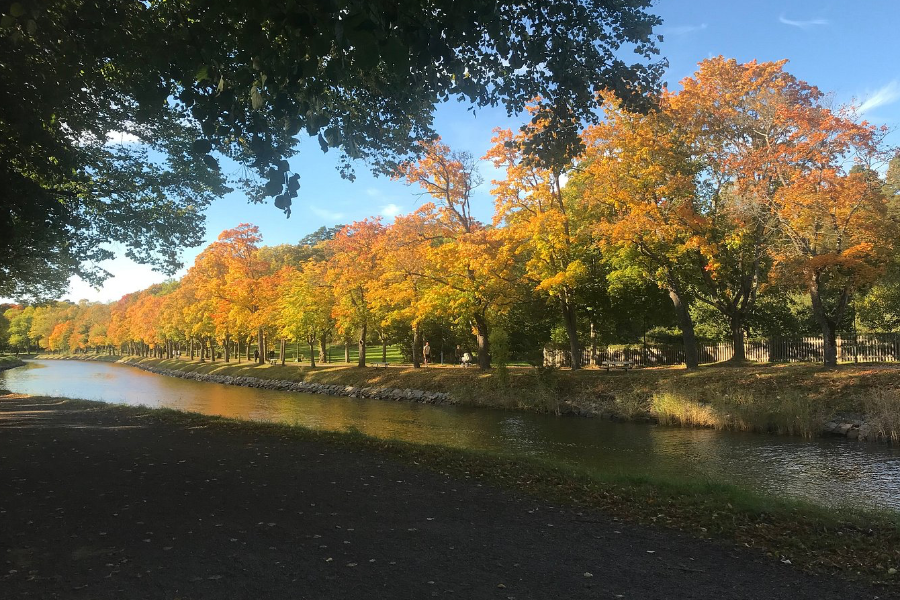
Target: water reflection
828,471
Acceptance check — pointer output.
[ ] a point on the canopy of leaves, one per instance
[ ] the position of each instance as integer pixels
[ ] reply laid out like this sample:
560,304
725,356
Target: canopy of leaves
91,151
243,78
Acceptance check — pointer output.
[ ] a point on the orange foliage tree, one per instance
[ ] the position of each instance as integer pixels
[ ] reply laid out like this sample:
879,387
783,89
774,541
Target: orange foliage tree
352,266
789,157
470,265
540,223
638,180
231,274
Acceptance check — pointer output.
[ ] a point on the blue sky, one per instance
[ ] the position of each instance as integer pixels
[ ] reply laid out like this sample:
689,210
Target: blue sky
851,49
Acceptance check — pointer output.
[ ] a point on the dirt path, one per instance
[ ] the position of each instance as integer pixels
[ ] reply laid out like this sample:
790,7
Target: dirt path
94,504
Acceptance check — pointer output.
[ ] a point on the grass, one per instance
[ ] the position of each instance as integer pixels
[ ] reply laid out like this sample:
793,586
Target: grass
8,362
882,409
850,542
790,412
791,399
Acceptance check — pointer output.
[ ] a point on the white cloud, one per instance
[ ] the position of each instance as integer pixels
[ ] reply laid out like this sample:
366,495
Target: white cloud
802,24
121,137
373,192
888,94
128,276
682,29
390,210
326,214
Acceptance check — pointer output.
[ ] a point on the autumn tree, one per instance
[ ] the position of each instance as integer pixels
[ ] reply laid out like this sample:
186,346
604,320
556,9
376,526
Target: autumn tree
231,273
539,223
639,180
789,156
306,305
352,266
399,295
470,263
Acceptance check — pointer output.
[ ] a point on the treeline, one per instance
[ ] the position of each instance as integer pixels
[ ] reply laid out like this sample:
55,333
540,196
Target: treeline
744,205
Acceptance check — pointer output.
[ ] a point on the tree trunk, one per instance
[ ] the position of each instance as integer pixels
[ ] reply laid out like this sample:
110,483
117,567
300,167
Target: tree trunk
691,353
283,346
227,346
828,326
312,353
570,320
484,346
416,345
346,351
383,349
362,346
212,349
737,337
260,341
191,348
298,352
323,349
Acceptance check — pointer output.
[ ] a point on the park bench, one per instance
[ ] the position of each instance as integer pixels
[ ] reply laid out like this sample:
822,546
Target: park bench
273,361
379,365
617,364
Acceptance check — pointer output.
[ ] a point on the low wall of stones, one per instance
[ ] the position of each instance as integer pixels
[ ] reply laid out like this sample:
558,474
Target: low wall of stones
376,393
854,428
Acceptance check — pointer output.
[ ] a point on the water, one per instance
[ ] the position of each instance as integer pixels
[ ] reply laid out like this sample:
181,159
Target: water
830,471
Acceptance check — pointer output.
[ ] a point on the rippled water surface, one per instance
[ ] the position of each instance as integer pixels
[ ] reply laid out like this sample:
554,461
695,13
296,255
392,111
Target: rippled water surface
830,471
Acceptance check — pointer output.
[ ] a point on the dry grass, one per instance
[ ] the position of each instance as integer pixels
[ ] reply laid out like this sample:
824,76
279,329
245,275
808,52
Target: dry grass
790,412
882,409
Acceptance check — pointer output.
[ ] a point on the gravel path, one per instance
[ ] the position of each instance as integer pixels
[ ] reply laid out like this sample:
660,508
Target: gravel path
94,504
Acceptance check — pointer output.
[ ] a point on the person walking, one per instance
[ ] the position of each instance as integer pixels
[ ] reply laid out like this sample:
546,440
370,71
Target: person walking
426,352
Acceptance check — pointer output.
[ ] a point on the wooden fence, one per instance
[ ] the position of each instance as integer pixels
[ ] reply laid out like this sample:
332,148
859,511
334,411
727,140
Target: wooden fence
876,347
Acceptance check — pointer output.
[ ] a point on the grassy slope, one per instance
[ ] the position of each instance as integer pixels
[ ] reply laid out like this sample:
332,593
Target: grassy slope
9,362
786,398
852,543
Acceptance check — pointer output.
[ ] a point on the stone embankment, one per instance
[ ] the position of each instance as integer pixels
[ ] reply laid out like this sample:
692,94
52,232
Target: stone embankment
376,393
854,428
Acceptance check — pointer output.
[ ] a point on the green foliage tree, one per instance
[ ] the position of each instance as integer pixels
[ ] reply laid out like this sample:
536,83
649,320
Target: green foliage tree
243,79
92,151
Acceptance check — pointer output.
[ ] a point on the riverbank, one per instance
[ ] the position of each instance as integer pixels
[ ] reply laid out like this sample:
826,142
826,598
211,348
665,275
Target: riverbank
10,362
857,401
114,501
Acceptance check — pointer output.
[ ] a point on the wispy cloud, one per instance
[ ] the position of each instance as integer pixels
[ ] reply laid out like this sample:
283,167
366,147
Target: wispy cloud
888,94
374,192
802,24
391,210
326,214
682,29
